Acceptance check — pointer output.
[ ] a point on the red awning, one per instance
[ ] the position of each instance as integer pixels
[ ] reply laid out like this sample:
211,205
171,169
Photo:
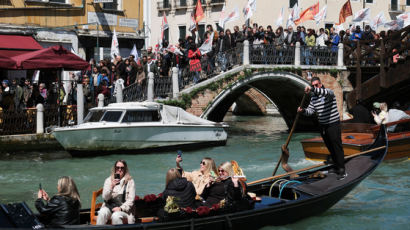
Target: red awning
55,57
7,62
13,45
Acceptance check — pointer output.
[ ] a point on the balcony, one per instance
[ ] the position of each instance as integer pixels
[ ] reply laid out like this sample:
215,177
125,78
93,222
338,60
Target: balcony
181,4
395,8
164,5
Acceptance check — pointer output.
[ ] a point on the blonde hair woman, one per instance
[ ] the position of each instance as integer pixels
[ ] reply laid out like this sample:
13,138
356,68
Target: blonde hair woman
118,194
179,187
61,209
200,178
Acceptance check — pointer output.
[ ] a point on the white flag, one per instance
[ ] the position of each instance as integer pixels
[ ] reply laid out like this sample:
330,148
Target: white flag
395,24
222,17
134,52
279,21
232,16
405,17
174,49
206,47
379,20
192,23
249,9
338,28
321,16
293,15
362,15
115,50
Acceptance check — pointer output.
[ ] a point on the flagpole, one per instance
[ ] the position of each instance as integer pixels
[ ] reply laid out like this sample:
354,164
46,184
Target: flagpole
364,6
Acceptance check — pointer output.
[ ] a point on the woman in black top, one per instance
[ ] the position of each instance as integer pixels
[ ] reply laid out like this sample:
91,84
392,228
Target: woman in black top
226,186
181,188
61,209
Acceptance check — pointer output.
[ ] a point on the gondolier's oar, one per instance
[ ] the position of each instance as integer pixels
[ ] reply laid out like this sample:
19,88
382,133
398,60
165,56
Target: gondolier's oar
312,167
285,152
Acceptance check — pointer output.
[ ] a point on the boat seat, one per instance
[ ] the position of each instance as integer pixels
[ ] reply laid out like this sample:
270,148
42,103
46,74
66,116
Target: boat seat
95,206
267,201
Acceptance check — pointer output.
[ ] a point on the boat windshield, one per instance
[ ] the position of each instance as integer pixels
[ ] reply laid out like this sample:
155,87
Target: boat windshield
112,116
94,116
141,116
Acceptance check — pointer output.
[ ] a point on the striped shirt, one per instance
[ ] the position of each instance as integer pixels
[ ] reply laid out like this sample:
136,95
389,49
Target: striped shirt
323,102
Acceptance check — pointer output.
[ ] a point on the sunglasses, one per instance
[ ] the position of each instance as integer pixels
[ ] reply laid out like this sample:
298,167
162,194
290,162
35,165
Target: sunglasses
221,170
118,168
202,163
316,85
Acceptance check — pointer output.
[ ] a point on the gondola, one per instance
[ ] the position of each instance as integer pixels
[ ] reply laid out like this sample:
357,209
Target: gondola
284,198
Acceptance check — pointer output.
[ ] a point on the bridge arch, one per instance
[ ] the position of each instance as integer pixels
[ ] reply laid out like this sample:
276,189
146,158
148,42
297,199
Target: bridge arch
285,89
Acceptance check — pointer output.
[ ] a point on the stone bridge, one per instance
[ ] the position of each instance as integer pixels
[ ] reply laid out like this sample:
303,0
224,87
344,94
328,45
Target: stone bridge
284,86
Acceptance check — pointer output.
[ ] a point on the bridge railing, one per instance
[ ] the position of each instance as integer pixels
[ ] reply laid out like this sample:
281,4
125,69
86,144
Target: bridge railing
271,54
318,55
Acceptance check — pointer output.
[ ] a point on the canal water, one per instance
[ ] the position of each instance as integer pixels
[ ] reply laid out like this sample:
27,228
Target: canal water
382,201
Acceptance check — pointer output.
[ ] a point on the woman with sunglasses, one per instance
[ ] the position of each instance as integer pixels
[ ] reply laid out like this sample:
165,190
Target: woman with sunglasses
226,186
200,178
118,194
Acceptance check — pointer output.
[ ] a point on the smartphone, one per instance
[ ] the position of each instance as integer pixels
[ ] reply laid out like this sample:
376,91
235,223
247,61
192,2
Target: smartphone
179,153
39,186
116,176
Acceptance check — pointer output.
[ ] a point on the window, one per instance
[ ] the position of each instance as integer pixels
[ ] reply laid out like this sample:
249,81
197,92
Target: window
59,1
141,116
369,1
407,2
166,35
112,116
292,3
115,5
94,116
202,2
182,31
182,2
201,31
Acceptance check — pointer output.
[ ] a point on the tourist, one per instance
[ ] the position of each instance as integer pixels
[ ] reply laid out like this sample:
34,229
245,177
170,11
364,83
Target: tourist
43,91
118,194
360,113
61,209
226,186
323,103
290,39
380,114
396,114
27,91
179,187
194,56
200,178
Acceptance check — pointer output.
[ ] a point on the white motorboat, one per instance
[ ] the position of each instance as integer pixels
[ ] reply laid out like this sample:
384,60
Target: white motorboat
137,127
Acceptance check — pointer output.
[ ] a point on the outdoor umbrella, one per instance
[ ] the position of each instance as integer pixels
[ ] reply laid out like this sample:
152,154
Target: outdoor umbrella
55,57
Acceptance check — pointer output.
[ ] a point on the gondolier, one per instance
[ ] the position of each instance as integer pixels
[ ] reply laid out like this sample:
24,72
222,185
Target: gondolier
323,102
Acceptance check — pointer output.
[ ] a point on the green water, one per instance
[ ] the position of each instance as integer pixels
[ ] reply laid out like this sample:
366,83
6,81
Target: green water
382,201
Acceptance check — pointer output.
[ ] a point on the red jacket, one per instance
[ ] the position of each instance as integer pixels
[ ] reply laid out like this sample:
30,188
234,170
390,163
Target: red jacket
194,60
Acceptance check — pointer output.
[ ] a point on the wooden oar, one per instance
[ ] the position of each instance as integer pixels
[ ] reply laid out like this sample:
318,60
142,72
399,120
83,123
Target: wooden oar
312,167
285,146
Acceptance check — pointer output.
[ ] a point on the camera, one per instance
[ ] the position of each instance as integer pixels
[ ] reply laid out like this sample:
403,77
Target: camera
116,176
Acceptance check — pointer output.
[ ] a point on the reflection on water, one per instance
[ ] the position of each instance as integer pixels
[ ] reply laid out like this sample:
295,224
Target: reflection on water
381,201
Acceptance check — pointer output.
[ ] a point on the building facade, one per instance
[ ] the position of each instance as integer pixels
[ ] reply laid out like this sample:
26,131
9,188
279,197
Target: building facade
178,14
83,26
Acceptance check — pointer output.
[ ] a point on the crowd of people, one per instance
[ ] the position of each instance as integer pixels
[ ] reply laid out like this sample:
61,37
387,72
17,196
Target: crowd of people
207,186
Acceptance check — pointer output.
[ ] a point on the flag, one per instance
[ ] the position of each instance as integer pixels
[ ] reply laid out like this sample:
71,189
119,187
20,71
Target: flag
345,12
279,21
232,16
249,9
206,47
293,15
192,22
395,24
339,28
405,17
164,26
222,17
134,52
378,21
308,14
199,12
362,15
115,50
321,16
174,49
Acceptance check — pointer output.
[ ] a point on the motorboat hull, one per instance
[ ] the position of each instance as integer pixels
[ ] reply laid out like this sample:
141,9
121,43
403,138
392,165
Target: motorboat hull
134,139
